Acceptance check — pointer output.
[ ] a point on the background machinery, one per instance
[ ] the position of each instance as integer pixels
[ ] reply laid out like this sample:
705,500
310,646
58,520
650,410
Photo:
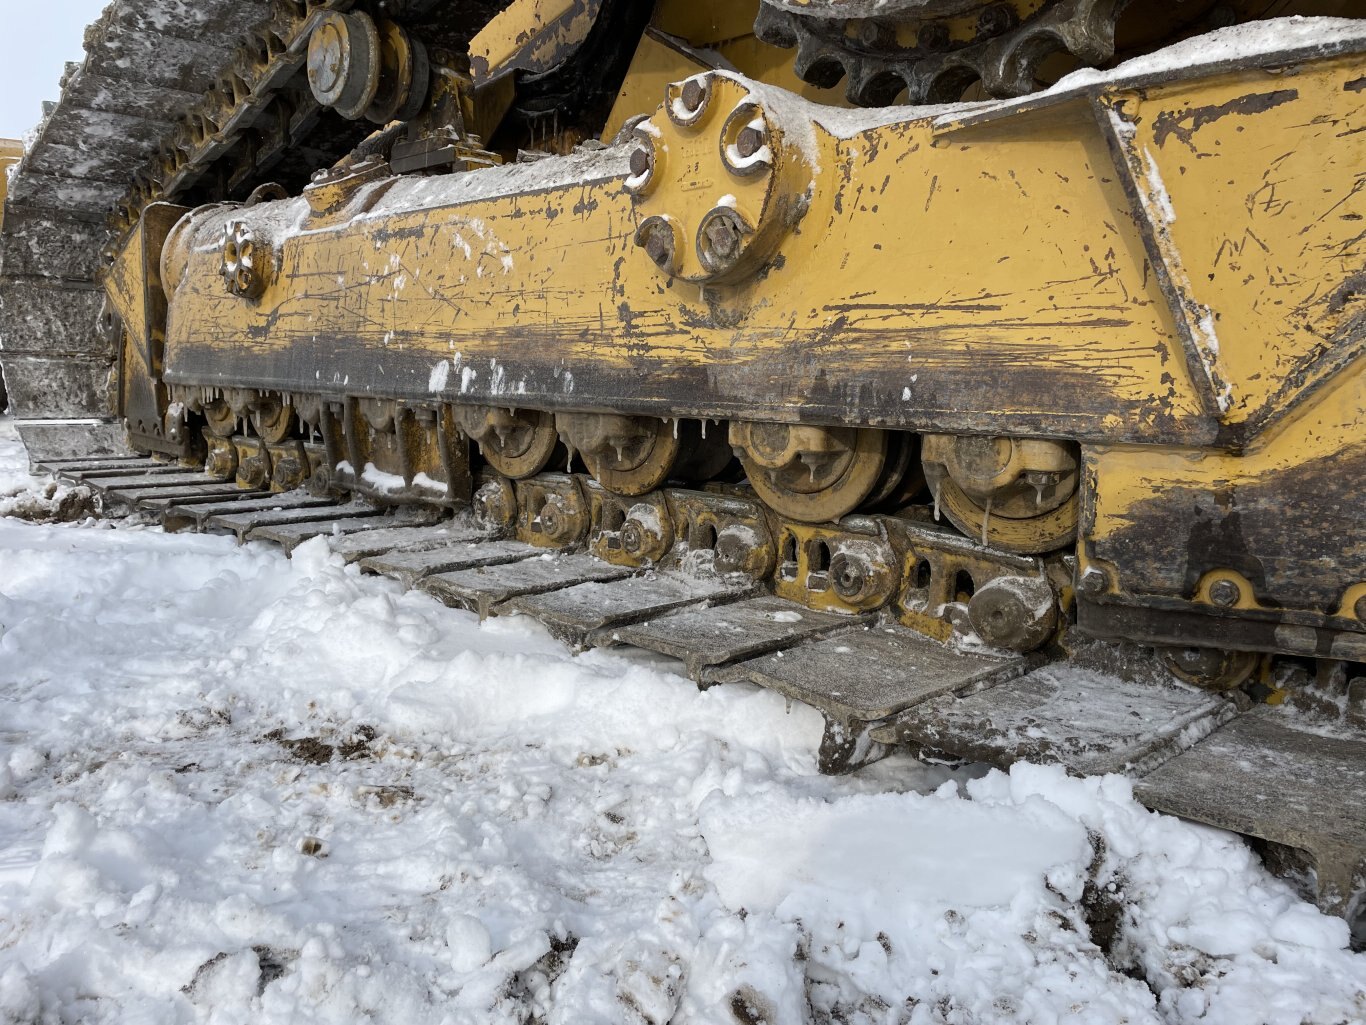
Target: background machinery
848,347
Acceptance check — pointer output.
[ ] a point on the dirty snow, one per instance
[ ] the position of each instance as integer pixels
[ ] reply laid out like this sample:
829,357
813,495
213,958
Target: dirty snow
25,496
236,787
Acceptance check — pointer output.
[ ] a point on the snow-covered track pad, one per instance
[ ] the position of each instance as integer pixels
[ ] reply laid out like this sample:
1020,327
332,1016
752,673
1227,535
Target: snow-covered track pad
194,514
483,589
157,499
242,522
589,614
290,535
179,477
410,567
861,679
370,542
1262,776
703,638
90,464
1064,715
120,468
163,500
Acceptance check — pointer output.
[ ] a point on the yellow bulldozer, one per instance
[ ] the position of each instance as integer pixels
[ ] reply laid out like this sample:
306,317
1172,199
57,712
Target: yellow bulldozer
876,351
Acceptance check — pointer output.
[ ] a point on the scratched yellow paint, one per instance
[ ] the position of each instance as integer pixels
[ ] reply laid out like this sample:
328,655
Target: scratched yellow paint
1255,179
509,32
993,271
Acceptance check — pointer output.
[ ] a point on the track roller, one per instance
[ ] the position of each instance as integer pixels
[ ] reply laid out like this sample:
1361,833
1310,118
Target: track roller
631,455
272,418
518,443
1019,494
812,474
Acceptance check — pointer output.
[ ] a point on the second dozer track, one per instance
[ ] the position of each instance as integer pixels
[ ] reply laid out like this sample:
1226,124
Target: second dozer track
1063,364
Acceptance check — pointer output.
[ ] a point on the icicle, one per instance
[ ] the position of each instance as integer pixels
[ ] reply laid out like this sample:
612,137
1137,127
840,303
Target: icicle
936,501
675,428
704,428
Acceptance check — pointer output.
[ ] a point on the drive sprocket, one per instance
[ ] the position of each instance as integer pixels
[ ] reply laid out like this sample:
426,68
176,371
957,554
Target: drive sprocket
933,50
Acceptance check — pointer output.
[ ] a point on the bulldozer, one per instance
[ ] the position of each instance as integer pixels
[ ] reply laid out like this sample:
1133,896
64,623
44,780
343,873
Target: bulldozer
987,374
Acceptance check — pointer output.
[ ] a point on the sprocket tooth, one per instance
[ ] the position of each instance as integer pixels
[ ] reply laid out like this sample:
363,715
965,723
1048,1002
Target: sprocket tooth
818,63
1090,35
873,84
943,80
773,27
1010,70
1083,28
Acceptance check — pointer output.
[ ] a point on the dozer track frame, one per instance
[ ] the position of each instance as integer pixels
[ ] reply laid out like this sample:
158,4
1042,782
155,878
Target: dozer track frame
1208,407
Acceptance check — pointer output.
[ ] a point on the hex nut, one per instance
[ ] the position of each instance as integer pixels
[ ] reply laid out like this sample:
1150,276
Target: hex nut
693,94
1093,581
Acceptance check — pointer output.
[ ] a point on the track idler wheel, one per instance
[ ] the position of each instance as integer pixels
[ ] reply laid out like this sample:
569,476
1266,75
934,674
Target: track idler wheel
811,474
363,68
1019,494
518,443
1210,668
628,455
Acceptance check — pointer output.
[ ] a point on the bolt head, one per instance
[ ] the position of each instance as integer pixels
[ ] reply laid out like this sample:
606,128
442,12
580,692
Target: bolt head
933,37
1093,581
693,94
1360,608
1225,593
640,161
632,537
995,19
876,33
722,237
749,142
658,249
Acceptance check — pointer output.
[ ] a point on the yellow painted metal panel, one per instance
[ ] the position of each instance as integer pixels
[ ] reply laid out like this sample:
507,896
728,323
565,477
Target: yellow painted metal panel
1254,186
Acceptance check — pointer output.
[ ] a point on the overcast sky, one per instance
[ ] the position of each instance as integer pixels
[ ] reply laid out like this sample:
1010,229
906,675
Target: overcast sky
37,38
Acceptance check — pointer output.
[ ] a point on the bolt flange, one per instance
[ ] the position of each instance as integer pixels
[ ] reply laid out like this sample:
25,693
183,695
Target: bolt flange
241,266
714,187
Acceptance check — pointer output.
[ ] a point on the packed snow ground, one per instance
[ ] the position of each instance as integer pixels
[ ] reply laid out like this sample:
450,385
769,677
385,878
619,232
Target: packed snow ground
239,788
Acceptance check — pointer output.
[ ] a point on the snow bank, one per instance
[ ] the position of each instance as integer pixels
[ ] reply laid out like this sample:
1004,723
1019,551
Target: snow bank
235,787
